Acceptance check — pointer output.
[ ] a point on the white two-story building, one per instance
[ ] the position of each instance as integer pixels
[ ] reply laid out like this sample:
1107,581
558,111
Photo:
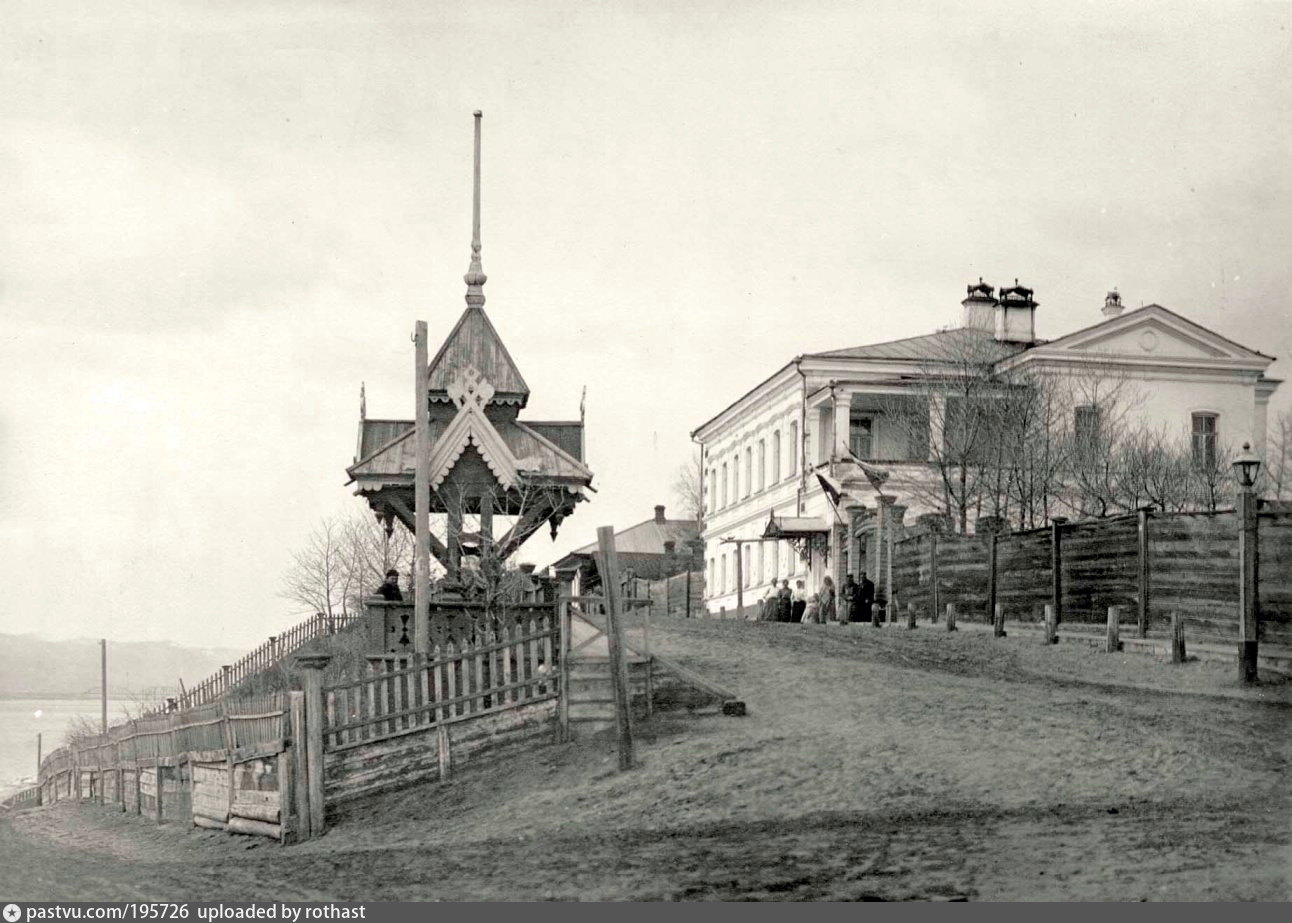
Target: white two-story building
818,468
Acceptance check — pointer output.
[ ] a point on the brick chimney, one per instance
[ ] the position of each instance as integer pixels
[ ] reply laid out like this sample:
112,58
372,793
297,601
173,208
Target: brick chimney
669,547
659,512
980,307
1016,315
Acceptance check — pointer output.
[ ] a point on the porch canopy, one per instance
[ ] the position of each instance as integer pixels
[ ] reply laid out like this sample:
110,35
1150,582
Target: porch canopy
795,527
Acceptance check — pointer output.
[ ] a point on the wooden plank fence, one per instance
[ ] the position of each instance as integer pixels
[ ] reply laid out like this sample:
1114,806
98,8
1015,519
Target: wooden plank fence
1185,563
395,725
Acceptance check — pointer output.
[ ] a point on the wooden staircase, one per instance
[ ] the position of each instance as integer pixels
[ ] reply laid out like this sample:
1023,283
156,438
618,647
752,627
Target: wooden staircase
592,702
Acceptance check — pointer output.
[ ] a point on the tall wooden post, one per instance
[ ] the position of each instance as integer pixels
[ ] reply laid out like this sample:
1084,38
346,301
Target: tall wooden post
299,763
566,590
313,665
1248,602
1112,640
1142,609
103,685
991,576
935,603
39,787
421,496
688,591
609,567
1056,566
740,580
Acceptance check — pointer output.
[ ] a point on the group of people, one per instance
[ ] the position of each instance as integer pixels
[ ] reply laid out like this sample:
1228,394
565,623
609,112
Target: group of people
852,603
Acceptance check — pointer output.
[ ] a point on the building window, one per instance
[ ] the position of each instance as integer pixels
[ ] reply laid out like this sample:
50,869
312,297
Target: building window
710,499
1085,427
749,470
713,590
1204,440
861,436
762,563
762,464
724,571
776,457
776,560
749,570
794,448
735,477
724,485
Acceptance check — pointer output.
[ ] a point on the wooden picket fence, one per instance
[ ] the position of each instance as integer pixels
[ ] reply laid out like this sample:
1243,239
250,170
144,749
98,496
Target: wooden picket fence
267,655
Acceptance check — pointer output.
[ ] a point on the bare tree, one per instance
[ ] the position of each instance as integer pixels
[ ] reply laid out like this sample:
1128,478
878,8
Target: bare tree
688,487
1277,470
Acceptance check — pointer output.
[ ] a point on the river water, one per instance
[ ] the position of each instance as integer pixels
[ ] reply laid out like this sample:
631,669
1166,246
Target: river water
21,719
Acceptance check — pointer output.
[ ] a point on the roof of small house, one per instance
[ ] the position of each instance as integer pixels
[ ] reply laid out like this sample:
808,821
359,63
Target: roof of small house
649,537
474,343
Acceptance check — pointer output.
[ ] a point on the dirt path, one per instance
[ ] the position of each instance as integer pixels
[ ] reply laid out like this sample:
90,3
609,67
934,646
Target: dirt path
873,765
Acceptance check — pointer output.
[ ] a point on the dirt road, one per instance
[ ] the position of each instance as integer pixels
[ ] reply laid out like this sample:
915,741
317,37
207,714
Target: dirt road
873,765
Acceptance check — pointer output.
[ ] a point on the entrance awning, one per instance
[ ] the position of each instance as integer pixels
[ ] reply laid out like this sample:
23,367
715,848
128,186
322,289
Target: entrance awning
791,527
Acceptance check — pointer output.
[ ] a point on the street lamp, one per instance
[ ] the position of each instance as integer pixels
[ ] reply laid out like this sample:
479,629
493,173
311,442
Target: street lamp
1245,468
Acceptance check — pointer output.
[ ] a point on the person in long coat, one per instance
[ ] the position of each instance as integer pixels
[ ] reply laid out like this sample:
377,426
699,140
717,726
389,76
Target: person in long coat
825,613
863,600
767,611
785,604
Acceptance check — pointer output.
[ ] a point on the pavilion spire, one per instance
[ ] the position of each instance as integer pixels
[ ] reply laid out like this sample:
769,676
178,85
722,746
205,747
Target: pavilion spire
475,277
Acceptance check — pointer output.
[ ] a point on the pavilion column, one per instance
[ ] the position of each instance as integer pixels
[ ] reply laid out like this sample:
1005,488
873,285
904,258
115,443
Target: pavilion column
454,509
856,525
486,523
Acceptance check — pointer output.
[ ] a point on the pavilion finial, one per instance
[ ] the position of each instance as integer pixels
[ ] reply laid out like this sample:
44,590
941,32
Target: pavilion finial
475,277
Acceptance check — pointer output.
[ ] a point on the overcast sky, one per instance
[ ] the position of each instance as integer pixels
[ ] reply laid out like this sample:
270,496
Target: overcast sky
217,219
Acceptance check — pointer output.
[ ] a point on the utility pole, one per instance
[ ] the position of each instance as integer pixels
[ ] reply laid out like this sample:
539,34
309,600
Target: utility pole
421,497
103,683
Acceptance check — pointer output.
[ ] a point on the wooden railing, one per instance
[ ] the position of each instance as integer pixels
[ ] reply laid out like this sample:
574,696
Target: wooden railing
265,656
508,664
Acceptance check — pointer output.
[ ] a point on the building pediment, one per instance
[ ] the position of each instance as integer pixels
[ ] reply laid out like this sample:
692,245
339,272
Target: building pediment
1151,335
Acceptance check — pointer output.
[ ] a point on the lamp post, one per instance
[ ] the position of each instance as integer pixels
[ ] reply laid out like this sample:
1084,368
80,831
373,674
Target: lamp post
1246,466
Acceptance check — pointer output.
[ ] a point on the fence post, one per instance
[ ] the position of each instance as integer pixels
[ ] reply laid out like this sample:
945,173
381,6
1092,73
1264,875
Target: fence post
1112,643
1177,638
1056,563
1141,615
564,592
609,566
688,592
1050,634
300,780
998,620
874,615
951,616
991,575
933,576
312,665
910,616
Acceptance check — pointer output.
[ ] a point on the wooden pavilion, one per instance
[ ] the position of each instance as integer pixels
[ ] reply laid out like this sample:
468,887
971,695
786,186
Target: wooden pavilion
494,479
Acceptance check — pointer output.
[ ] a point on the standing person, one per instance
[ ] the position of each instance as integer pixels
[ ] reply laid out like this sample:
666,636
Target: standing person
812,614
800,602
847,596
389,590
771,602
784,602
826,613
866,594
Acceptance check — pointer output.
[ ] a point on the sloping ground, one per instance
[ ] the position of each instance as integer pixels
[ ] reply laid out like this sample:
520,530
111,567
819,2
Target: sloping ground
873,765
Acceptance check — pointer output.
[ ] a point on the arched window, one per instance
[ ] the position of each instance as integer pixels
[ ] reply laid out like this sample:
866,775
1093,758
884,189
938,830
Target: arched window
776,457
794,448
735,477
709,582
762,464
724,572
762,564
749,470
710,497
725,500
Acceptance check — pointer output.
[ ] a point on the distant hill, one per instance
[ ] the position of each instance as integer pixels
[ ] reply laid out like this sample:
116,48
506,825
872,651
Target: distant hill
34,666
